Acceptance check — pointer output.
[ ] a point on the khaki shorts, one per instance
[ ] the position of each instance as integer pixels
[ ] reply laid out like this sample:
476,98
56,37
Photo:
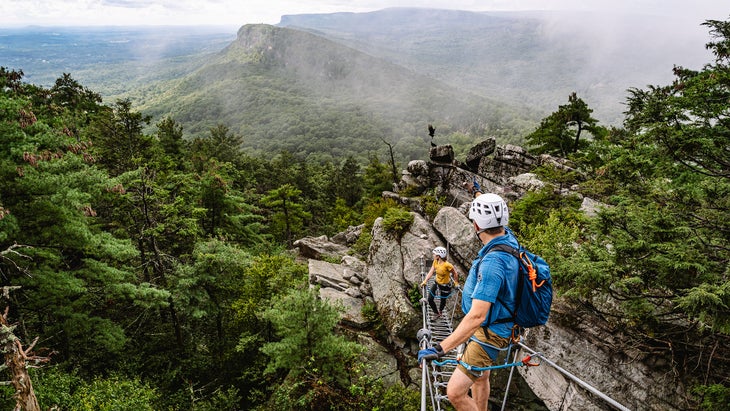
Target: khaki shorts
476,355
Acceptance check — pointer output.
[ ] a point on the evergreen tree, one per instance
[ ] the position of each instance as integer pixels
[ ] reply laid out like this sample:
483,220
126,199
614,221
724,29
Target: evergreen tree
349,182
560,132
376,178
307,344
119,142
75,276
658,250
289,214
170,136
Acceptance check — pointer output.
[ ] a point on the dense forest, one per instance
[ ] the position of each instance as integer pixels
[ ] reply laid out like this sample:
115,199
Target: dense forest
150,271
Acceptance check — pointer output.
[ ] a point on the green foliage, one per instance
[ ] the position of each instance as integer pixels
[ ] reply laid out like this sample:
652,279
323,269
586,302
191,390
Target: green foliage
56,389
119,142
397,397
708,303
371,212
349,182
362,245
414,294
556,240
560,177
375,321
142,255
432,204
114,393
228,212
220,145
560,133
654,262
369,393
265,277
376,179
222,399
534,208
344,216
290,214
307,344
715,397
397,220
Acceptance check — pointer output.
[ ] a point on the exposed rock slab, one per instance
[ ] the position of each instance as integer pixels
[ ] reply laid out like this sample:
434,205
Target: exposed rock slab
352,315
394,265
458,232
584,350
320,247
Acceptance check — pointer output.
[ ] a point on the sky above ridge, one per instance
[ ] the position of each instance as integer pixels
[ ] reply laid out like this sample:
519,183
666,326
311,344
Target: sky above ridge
14,13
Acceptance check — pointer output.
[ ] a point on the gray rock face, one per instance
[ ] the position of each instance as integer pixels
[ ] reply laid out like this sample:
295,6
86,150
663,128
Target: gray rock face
508,161
395,264
320,247
581,348
441,154
479,151
454,226
590,207
349,236
336,286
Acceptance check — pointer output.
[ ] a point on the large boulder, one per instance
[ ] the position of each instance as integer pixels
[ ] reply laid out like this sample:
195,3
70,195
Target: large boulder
349,236
508,161
378,362
394,265
479,151
442,154
579,344
336,286
458,232
352,307
320,247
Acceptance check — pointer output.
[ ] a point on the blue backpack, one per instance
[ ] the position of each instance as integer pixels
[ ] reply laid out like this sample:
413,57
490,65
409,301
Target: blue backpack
534,289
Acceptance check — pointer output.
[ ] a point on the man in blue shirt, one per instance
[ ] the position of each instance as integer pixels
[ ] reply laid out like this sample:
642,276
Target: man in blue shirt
489,294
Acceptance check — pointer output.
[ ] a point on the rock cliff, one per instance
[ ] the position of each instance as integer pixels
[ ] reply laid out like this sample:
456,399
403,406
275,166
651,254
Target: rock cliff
572,340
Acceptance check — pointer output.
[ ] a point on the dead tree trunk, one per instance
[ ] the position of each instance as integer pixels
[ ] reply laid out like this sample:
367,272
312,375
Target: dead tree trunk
16,361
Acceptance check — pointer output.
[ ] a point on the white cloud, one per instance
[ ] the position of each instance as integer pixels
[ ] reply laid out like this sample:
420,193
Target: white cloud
238,12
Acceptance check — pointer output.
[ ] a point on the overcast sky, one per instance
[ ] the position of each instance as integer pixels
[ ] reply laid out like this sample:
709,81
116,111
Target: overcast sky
240,12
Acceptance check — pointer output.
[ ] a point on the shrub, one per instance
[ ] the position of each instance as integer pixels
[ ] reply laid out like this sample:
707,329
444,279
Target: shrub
397,220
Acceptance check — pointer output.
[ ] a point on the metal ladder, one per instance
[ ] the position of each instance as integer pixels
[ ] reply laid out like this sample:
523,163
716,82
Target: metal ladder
436,329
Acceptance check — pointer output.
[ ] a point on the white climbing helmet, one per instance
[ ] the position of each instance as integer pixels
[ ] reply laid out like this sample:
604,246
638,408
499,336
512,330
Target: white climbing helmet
440,251
489,211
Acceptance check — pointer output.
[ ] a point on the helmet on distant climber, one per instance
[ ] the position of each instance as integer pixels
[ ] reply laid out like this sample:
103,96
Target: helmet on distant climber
440,251
489,211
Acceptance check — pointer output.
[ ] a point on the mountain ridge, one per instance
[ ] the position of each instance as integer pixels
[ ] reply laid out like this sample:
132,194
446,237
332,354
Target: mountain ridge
536,58
364,80
287,89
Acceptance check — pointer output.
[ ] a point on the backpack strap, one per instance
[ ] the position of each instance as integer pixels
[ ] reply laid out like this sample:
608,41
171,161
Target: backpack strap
515,252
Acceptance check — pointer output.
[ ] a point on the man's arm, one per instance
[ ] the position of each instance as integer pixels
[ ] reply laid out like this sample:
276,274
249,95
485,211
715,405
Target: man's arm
468,325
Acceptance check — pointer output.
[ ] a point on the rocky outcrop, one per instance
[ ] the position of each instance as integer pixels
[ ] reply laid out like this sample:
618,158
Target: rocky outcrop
397,262
581,344
454,227
394,265
320,247
342,286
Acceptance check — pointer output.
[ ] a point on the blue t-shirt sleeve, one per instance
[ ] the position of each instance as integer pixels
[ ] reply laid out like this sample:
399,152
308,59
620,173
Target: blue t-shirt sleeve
490,278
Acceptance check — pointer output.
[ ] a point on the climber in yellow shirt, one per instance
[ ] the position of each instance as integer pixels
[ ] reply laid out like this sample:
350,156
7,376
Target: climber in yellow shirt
444,273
